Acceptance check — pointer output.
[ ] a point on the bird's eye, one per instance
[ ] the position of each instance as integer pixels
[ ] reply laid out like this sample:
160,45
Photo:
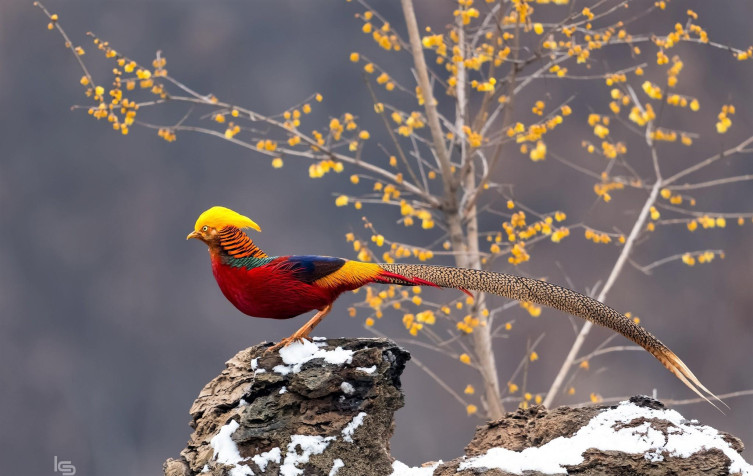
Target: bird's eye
204,228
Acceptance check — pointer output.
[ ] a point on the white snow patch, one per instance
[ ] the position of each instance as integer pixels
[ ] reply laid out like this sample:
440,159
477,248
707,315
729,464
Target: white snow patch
368,370
298,353
319,338
226,451
271,456
351,427
402,469
347,388
600,434
242,403
309,445
205,469
283,390
336,465
255,366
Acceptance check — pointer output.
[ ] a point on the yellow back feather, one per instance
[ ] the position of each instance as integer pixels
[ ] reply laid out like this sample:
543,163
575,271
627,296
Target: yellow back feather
220,217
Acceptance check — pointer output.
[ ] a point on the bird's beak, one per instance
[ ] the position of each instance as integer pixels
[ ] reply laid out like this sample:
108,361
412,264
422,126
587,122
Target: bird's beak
193,234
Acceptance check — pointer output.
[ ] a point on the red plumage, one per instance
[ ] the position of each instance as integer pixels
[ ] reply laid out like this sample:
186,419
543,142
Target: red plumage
270,291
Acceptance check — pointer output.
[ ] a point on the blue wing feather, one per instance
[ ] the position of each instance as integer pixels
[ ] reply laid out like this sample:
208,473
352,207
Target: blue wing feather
309,268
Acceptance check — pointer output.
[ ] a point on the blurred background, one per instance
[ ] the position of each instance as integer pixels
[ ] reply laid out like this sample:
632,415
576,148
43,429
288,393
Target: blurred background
111,322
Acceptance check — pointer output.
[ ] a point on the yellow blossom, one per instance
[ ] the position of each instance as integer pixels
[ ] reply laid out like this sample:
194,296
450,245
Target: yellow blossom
469,390
538,152
471,409
277,162
341,201
465,358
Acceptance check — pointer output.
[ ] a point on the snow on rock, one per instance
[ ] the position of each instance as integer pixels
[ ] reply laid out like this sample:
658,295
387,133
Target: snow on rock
226,451
336,465
368,370
402,469
608,431
308,445
298,353
351,427
271,456
347,388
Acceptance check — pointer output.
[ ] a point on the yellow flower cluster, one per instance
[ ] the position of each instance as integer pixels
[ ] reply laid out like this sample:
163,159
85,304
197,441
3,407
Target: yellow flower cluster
642,117
468,324
411,323
619,78
465,11
707,222
538,152
322,167
724,121
435,42
611,151
399,251
519,254
167,134
557,69
535,132
744,55
683,101
383,35
293,117
652,90
603,189
533,309
559,234
232,130
538,108
705,257
516,228
266,144
661,134
414,121
674,71
597,237
666,194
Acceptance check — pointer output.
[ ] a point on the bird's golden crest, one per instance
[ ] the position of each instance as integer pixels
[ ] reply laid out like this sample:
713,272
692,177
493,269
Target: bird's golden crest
220,217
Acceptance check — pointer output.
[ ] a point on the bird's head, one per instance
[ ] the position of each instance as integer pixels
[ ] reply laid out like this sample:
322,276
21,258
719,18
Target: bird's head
215,219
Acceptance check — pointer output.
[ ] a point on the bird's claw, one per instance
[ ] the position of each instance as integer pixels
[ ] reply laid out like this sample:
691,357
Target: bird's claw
285,342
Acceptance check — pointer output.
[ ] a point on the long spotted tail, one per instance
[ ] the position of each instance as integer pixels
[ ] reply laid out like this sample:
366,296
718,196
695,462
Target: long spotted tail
550,295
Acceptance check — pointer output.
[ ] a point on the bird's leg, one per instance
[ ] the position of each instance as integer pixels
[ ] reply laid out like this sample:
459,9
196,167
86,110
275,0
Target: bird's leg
304,331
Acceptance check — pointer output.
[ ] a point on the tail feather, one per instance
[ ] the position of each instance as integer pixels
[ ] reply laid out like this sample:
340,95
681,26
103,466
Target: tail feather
547,294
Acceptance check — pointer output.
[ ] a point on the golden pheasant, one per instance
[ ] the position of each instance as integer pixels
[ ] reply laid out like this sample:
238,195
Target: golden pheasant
282,287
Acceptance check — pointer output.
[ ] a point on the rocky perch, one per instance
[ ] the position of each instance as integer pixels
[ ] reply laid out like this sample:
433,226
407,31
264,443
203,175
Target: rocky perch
326,408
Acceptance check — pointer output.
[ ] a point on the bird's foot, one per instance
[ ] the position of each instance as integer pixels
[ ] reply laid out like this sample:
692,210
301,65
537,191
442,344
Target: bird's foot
286,342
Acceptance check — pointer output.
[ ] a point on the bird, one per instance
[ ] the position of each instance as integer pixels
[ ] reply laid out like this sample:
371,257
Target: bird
283,287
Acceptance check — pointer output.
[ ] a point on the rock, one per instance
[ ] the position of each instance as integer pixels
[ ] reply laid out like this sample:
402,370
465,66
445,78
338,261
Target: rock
635,437
325,408
310,409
